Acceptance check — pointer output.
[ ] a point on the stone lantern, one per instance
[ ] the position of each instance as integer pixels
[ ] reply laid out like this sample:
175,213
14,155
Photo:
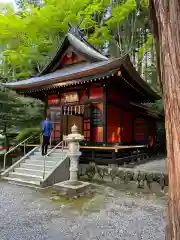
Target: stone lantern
73,187
74,153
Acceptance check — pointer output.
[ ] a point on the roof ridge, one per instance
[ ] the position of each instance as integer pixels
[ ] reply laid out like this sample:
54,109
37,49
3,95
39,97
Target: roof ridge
80,44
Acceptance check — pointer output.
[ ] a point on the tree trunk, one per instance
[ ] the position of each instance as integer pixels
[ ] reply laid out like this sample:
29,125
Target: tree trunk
166,22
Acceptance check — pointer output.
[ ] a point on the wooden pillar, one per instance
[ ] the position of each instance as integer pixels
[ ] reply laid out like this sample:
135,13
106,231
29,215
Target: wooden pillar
61,123
46,104
105,114
133,120
121,125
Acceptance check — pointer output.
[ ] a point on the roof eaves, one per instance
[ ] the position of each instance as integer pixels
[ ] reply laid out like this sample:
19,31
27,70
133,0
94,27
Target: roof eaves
151,111
136,77
65,74
72,82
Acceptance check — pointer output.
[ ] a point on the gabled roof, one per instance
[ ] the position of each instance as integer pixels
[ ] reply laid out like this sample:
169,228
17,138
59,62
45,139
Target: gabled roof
84,71
93,64
64,74
80,46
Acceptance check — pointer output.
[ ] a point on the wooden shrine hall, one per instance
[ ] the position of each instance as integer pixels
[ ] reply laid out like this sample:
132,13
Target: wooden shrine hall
102,96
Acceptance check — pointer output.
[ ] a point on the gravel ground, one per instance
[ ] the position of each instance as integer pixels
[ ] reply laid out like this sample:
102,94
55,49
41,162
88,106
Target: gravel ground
26,214
159,165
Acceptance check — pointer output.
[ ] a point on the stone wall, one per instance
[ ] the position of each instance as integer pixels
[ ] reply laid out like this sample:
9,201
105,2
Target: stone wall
126,175
60,174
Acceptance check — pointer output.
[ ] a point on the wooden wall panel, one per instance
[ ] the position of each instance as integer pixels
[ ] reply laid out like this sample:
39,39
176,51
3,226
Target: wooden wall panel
97,134
95,92
118,97
113,96
83,96
113,124
53,100
151,128
87,130
139,130
126,126
70,58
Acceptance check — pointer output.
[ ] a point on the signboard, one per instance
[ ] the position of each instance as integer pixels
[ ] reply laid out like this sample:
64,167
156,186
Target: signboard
53,100
69,97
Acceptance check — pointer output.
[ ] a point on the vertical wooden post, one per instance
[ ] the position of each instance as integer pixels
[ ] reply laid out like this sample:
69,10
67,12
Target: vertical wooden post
121,125
105,115
46,104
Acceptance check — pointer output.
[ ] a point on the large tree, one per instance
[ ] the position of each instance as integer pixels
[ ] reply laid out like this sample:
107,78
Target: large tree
166,23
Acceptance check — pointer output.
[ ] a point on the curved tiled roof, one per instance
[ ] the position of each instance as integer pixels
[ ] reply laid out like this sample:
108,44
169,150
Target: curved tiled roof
79,45
54,77
82,46
84,70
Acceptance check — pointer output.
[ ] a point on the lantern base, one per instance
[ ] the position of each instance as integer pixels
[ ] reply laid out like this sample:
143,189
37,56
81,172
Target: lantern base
72,188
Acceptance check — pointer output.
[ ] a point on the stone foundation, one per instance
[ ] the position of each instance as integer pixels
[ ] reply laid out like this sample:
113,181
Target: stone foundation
71,188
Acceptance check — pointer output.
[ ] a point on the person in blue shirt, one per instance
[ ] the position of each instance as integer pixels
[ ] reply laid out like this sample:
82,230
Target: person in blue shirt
46,131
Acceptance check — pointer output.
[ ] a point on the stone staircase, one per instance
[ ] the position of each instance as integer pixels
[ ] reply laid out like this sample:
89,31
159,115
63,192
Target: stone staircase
29,170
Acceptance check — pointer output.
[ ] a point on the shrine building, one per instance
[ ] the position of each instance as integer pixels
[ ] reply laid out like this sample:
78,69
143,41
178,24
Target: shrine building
103,96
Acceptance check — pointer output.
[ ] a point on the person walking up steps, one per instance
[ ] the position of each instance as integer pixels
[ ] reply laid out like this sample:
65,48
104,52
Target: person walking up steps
46,131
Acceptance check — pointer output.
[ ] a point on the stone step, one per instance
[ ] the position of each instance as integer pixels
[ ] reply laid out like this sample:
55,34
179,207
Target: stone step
55,153
56,159
25,177
22,182
51,158
48,159
36,167
40,162
38,173
57,150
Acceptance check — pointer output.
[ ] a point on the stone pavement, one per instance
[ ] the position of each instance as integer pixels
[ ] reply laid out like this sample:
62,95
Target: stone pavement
29,215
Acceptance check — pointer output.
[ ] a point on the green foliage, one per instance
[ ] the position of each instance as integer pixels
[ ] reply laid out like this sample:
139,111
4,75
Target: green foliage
30,36
18,112
120,12
27,132
146,46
